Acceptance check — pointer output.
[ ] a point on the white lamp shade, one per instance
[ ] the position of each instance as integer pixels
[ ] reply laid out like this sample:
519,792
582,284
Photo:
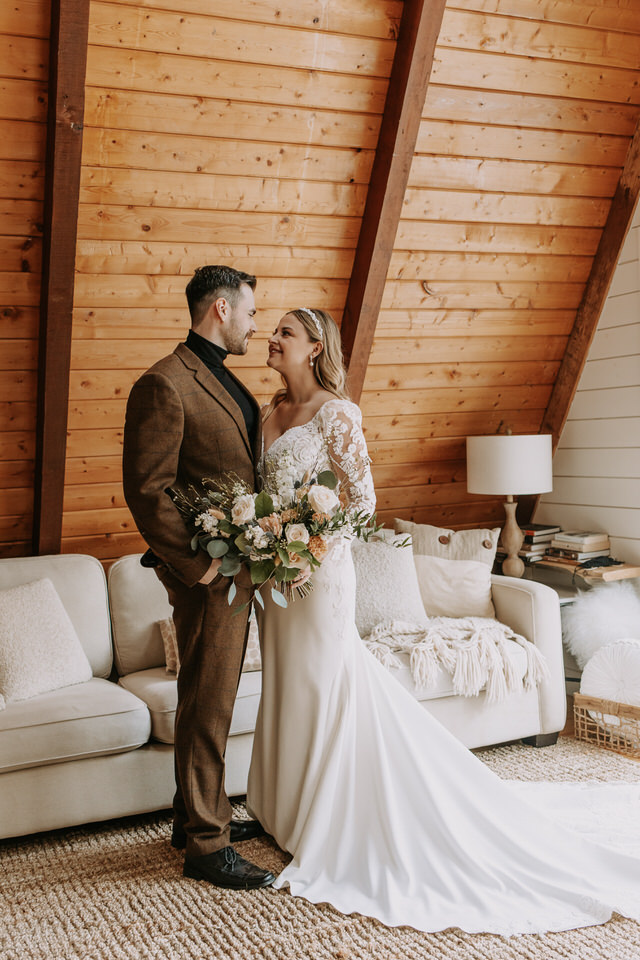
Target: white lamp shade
509,465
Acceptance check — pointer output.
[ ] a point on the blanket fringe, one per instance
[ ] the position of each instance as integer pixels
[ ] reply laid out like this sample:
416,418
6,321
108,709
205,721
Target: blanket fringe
477,652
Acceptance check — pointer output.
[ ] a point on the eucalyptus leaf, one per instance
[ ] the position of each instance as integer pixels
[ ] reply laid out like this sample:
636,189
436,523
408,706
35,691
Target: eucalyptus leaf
259,598
261,571
284,557
264,505
217,548
297,546
232,593
328,479
278,597
230,566
195,541
242,544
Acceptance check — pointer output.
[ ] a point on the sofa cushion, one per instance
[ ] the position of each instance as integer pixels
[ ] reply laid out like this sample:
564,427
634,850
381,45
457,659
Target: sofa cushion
387,583
138,601
86,720
39,647
80,583
159,690
442,685
454,588
431,541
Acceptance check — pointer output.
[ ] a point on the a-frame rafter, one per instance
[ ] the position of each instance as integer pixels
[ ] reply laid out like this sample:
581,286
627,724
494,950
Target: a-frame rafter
67,68
419,29
603,268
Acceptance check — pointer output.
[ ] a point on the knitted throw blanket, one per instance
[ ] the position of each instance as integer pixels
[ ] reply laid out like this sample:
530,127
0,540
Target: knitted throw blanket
476,651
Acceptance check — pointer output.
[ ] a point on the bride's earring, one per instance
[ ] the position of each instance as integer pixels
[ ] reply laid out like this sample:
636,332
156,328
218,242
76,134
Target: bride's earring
310,361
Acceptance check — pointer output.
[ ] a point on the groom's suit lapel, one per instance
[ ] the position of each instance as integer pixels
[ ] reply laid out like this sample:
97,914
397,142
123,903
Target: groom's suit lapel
211,384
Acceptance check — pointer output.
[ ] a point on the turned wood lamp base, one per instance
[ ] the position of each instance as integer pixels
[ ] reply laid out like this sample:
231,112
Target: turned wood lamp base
512,540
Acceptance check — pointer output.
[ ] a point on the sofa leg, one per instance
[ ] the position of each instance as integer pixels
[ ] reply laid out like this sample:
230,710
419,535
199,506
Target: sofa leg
541,740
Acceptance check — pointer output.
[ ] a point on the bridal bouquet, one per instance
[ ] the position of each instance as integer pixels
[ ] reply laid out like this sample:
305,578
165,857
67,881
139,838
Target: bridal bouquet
277,537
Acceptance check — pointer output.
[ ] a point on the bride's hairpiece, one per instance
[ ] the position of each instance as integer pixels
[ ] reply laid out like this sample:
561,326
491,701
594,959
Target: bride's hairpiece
317,323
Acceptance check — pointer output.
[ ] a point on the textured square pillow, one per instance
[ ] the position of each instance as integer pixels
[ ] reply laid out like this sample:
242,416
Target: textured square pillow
431,541
386,583
252,660
454,588
39,647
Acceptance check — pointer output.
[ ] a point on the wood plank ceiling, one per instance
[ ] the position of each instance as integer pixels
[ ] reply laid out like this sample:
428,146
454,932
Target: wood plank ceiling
248,137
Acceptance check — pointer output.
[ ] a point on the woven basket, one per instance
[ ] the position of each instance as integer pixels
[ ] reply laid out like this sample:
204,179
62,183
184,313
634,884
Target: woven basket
614,726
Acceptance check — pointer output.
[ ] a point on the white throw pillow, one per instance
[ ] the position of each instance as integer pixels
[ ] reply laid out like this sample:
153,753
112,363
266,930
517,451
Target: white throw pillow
39,647
386,583
431,541
167,627
613,673
454,588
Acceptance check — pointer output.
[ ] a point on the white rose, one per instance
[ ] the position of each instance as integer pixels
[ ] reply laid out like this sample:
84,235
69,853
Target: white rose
244,509
297,533
323,500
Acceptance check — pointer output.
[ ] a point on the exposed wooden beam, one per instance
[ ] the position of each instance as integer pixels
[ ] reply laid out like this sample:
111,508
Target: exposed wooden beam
419,29
67,68
602,271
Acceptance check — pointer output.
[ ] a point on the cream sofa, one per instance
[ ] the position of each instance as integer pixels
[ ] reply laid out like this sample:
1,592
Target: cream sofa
102,749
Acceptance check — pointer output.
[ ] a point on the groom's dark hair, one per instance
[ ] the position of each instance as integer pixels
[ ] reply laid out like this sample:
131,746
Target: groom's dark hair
210,282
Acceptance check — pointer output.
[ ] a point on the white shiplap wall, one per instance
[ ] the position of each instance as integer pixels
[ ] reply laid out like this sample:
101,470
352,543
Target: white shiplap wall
596,482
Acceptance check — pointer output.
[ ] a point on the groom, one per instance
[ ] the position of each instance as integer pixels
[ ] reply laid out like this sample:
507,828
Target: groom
188,418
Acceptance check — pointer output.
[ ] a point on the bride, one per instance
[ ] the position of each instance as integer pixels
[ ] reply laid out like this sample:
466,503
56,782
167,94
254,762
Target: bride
383,811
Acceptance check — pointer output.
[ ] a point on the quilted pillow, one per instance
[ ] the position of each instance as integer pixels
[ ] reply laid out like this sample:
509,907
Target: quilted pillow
479,545
39,647
454,588
386,583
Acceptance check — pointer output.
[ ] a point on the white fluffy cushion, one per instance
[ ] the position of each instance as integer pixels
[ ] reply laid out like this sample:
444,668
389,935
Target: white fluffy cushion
167,629
454,588
613,673
599,616
479,545
39,647
387,583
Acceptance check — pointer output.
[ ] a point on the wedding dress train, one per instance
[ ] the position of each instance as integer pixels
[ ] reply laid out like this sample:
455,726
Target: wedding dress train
384,812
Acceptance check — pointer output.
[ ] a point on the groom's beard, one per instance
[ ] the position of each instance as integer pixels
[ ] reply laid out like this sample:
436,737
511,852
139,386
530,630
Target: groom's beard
237,340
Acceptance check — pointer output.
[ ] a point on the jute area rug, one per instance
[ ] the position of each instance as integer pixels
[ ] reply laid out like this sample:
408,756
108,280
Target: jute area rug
115,890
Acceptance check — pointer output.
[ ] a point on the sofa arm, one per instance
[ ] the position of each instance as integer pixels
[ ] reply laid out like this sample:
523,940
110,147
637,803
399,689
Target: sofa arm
533,610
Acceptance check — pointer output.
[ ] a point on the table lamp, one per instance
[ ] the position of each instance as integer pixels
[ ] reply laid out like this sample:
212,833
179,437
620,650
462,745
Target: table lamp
510,466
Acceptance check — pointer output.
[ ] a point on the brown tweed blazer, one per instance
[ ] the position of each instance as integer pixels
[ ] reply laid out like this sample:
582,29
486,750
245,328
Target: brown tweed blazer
181,426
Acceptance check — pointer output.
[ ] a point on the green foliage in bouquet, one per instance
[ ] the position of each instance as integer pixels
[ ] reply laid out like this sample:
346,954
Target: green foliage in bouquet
276,541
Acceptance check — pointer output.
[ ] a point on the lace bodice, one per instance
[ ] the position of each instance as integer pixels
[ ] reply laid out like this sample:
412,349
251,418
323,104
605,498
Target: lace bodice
331,440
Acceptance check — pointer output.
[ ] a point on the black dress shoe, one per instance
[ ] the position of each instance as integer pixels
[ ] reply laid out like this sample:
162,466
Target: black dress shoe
239,829
245,830
226,868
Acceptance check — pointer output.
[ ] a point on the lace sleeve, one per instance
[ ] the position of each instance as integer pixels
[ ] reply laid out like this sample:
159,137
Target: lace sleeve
342,428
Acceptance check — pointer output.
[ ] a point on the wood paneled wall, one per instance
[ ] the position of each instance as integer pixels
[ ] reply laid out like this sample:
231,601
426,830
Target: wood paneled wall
244,137
525,129
244,132
24,29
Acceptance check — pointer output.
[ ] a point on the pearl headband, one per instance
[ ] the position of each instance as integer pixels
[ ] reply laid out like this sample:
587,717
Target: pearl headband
317,323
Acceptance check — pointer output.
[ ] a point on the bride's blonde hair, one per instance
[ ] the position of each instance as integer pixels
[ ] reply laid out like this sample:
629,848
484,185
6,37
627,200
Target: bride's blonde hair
328,367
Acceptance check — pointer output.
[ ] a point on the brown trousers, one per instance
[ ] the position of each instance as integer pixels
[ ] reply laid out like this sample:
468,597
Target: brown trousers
211,644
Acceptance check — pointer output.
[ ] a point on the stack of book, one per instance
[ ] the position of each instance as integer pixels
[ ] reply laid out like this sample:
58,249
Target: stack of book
537,539
576,546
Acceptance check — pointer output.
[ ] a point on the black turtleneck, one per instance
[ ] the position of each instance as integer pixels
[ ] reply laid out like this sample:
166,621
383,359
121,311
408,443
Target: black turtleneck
213,358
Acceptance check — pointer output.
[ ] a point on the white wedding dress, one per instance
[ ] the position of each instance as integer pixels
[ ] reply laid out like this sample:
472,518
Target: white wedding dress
384,812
